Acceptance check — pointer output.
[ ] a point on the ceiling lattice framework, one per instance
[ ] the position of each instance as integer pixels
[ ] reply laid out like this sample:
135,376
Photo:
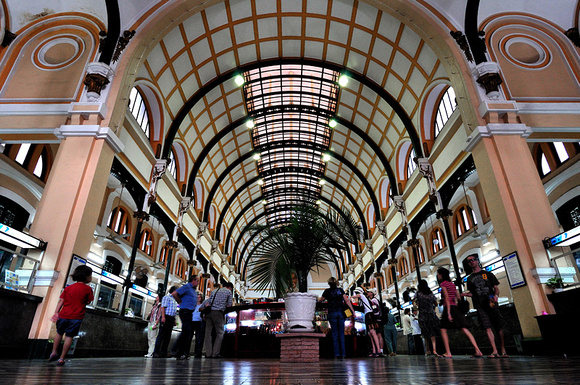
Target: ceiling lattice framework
345,34
290,106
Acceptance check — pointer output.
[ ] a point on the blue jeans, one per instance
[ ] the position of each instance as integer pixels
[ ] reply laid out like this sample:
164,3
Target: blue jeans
411,344
391,339
336,319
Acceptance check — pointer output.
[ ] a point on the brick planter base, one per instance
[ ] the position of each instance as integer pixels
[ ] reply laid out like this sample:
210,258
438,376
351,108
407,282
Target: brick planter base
300,347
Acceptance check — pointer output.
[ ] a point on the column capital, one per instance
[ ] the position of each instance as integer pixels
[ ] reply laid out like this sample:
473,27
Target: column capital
487,75
95,131
97,77
495,129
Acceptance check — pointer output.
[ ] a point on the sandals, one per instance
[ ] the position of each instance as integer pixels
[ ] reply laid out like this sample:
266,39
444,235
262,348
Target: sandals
53,357
60,362
494,355
477,356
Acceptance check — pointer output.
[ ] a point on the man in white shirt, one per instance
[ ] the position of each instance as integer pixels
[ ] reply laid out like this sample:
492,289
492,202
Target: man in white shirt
408,330
418,341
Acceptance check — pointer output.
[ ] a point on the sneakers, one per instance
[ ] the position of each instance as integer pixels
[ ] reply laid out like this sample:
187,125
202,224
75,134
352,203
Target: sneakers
148,355
183,357
60,362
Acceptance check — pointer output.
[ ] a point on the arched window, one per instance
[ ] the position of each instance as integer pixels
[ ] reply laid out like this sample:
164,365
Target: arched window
163,255
119,221
172,166
180,268
146,242
420,254
437,240
139,110
411,165
35,158
403,267
446,106
386,193
464,219
550,156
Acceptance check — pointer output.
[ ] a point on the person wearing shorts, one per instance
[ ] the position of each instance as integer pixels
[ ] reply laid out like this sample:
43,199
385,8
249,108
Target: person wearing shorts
484,292
70,311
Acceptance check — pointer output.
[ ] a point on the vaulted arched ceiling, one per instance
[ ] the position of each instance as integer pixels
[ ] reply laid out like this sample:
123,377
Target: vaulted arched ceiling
194,68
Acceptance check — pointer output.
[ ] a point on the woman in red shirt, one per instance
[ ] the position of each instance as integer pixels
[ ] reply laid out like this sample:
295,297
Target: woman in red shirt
452,317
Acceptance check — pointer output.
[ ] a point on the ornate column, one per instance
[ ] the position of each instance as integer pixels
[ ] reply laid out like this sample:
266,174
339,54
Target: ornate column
411,241
443,213
142,216
183,207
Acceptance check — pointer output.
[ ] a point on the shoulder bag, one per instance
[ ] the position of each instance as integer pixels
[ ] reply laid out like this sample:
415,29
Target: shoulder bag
207,309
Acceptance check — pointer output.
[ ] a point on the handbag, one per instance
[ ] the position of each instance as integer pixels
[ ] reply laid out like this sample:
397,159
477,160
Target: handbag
207,309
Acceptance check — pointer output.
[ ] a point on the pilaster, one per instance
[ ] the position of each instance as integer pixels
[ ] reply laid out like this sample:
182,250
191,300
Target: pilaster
69,209
519,209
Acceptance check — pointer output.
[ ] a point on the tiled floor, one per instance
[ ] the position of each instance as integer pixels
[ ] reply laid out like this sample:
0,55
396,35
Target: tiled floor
392,370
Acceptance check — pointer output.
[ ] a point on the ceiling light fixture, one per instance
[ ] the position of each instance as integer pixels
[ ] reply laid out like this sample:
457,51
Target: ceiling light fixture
256,156
332,123
250,123
325,157
239,79
322,182
343,80
260,181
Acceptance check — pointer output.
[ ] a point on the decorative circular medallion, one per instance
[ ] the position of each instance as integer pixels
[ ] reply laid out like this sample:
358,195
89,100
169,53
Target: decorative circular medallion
525,51
58,52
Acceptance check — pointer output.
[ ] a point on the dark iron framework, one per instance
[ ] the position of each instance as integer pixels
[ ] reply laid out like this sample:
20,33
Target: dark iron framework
290,106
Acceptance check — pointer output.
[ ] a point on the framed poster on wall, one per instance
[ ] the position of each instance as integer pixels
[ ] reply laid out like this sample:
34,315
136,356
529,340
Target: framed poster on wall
513,270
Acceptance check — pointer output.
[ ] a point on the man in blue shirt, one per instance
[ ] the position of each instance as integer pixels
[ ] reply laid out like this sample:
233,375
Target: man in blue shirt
186,297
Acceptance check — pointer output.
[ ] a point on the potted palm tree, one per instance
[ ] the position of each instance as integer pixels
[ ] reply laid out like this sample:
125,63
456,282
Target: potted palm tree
286,253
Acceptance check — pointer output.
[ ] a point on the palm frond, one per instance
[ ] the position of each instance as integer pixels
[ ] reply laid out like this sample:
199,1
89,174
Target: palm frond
307,242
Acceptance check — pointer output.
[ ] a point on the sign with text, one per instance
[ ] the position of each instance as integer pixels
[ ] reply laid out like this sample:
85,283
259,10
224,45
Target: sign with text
514,270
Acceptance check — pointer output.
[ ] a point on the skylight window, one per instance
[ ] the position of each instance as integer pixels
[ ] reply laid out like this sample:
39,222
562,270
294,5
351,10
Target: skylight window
291,106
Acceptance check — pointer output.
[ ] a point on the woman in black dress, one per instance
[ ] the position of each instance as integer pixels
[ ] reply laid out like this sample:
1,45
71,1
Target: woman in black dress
428,320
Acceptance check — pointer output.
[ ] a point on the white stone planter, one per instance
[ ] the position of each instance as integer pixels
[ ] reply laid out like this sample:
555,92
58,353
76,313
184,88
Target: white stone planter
300,309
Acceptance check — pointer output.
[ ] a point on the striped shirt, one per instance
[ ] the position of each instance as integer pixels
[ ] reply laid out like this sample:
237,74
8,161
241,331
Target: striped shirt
223,299
170,305
451,291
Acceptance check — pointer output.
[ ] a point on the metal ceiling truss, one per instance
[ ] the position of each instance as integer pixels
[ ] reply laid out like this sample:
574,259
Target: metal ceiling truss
229,75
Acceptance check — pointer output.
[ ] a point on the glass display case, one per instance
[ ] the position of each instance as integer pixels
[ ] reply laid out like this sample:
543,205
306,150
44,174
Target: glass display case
257,320
251,331
323,326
